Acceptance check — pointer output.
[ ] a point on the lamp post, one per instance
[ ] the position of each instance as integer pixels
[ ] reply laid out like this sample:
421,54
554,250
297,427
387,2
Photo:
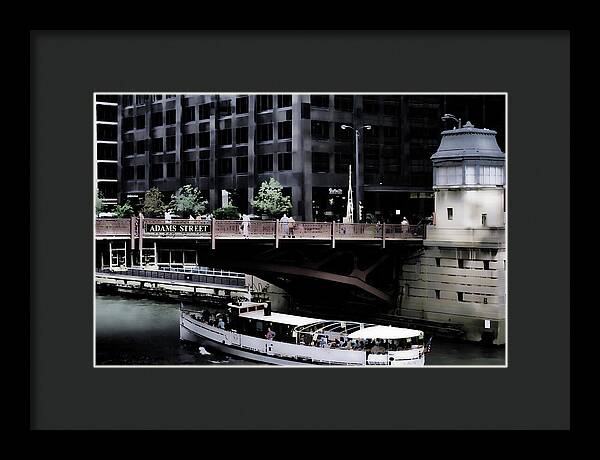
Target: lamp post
357,135
449,116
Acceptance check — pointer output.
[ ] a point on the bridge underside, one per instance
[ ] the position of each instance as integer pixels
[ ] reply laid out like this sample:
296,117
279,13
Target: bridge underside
353,274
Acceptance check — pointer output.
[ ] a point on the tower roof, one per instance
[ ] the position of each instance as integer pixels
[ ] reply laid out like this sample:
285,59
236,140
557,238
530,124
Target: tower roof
468,141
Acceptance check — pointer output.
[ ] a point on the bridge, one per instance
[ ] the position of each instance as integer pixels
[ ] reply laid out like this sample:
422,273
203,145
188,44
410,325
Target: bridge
213,230
336,263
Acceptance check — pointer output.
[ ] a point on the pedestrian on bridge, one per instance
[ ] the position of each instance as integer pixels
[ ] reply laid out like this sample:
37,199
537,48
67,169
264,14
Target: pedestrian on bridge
245,225
285,225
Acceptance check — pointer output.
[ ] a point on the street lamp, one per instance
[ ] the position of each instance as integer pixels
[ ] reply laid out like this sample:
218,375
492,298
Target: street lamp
449,116
357,133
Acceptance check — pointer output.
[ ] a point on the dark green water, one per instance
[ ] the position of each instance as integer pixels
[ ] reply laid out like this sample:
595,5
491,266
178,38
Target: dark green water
146,332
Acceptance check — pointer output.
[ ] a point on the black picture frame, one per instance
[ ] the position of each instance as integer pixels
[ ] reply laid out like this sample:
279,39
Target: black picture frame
66,68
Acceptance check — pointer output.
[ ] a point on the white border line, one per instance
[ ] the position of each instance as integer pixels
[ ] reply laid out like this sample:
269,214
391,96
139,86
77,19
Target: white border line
263,366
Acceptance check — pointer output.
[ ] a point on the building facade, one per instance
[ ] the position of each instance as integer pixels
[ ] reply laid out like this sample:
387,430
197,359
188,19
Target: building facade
108,165
235,142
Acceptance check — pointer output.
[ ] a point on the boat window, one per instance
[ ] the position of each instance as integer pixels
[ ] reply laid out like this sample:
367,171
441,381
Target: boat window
259,325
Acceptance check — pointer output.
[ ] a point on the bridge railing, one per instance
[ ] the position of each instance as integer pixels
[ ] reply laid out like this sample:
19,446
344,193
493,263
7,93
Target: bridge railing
238,229
400,232
306,230
358,231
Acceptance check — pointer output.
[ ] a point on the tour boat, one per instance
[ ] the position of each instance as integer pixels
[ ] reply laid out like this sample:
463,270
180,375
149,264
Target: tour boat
250,330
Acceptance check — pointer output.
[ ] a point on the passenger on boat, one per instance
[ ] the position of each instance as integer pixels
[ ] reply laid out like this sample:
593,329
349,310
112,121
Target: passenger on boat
221,324
270,334
323,342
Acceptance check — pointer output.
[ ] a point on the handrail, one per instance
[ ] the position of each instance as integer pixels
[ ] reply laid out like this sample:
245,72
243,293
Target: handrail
255,229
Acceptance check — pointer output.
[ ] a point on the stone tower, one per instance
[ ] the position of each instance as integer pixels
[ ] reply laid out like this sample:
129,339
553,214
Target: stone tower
460,277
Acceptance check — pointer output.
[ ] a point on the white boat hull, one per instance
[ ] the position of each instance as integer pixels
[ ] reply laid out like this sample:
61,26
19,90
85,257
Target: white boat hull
278,353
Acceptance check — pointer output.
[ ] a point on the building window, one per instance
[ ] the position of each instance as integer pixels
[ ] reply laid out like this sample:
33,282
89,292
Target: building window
224,137
157,171
129,171
189,169
128,148
106,113
450,213
305,111
188,114
461,296
470,175
140,171
204,112
157,145
343,135
284,129
390,132
204,139
140,100
156,119
344,103
491,175
170,169
284,100
391,109
225,108
264,132
224,166
127,100
264,163
264,103
284,161
171,117
127,124
484,220
320,101
204,168
319,129
107,151
372,135
241,104
241,135
370,105
437,293
156,98
437,261
189,141
449,175
241,165
486,264
461,263
141,147
371,159
107,133
342,162
140,122
171,144
320,162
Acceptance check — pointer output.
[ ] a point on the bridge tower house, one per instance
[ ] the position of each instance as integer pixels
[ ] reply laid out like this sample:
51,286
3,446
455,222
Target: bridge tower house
460,277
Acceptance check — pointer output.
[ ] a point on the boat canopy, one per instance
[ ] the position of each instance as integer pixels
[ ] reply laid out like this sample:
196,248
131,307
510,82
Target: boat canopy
280,318
384,332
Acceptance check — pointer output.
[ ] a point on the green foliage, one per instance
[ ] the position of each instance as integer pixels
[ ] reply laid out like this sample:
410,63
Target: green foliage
188,201
270,200
153,204
229,212
124,210
99,203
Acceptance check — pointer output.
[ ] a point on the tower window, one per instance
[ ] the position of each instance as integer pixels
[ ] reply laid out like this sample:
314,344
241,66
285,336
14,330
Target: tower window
437,261
486,264
461,263
450,213
484,219
437,293
461,296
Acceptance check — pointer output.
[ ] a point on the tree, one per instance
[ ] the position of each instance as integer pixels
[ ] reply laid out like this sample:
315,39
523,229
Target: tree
99,202
124,210
188,201
229,212
270,200
153,203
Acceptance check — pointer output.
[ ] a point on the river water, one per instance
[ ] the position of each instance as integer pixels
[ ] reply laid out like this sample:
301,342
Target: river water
133,331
